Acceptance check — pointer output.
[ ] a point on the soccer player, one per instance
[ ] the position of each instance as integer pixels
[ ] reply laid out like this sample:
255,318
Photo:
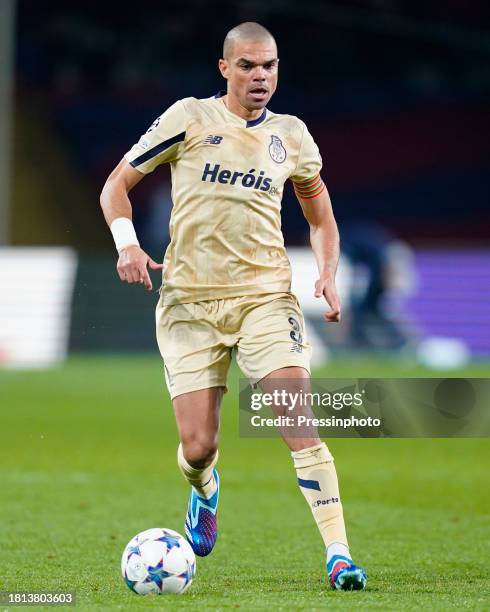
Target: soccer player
226,275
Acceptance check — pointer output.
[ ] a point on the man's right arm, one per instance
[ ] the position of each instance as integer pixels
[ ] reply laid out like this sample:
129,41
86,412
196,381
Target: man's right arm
114,200
163,142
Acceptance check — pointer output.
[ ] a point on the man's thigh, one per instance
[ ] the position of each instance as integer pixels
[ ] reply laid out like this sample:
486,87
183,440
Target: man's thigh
193,352
272,336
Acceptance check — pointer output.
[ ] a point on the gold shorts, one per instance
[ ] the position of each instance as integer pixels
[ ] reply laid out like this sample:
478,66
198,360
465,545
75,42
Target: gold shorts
197,339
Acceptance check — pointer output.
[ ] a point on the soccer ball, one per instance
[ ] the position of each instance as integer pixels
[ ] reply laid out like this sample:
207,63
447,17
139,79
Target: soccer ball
158,561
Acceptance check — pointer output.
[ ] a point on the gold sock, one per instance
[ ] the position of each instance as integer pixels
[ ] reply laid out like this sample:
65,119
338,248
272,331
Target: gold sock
318,482
201,479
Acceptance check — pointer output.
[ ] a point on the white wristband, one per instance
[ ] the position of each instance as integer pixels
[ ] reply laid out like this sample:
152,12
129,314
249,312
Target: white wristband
123,232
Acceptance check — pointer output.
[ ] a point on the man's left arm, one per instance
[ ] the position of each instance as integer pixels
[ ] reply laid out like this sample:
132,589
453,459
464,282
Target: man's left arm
324,239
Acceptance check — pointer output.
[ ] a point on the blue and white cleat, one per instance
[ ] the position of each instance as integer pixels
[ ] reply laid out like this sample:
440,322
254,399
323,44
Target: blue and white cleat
201,525
344,575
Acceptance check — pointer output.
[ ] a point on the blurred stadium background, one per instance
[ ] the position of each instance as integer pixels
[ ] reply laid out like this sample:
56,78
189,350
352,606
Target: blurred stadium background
396,94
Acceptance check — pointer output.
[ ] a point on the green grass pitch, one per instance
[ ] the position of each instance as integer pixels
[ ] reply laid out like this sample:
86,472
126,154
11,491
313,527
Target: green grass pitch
88,459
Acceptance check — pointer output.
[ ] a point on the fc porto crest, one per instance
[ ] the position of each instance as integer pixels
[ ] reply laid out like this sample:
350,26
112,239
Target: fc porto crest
277,150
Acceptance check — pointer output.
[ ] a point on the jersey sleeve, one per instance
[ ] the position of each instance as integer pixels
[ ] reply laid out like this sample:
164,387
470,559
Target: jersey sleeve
306,176
163,141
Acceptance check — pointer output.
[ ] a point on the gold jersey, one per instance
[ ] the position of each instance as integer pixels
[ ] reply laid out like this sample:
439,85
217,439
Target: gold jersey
228,178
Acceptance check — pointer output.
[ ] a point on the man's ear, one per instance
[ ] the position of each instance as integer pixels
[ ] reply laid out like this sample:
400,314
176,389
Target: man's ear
223,68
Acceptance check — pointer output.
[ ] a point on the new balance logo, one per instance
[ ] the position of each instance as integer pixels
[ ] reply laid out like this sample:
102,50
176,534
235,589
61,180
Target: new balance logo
216,140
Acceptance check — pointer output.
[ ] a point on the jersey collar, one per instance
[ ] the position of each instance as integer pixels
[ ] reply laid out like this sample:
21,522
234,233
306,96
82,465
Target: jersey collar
255,122
251,123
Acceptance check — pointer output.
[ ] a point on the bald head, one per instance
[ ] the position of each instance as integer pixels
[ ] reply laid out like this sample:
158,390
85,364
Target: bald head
248,31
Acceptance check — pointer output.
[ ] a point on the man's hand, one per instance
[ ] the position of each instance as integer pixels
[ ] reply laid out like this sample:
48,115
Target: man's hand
132,263
326,287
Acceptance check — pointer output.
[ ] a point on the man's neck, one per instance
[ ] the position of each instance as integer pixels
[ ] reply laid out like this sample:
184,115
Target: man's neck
234,106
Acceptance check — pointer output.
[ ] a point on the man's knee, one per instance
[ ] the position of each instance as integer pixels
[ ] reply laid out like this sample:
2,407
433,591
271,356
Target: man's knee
294,372
200,451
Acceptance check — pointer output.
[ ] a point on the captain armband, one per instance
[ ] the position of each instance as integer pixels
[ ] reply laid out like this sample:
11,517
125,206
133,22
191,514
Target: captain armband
310,188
